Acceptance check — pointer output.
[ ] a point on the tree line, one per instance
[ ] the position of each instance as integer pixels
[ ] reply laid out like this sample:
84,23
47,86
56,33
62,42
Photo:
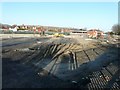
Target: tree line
115,29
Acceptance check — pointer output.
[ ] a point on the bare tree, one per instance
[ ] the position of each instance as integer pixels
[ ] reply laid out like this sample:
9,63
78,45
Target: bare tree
116,29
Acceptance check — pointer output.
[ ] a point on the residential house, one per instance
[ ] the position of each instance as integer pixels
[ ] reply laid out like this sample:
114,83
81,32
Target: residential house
94,33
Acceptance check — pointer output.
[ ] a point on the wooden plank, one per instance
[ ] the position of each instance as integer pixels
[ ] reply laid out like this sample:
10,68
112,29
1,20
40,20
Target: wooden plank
97,80
99,51
89,86
91,54
106,73
103,81
116,86
93,86
100,79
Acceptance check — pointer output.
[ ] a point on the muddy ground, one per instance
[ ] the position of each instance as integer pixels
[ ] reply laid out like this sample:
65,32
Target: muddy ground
59,63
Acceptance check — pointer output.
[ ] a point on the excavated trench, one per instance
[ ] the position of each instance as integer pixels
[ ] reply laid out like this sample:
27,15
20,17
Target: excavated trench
60,60
67,62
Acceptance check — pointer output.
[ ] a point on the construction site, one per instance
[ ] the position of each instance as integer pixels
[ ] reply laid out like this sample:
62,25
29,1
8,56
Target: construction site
60,62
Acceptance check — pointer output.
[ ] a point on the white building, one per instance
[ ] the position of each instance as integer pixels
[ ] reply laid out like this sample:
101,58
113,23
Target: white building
13,29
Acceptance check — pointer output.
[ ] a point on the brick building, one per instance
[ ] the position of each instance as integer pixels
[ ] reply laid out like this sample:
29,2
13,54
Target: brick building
94,33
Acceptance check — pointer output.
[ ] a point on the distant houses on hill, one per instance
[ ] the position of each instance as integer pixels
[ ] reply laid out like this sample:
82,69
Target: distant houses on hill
92,33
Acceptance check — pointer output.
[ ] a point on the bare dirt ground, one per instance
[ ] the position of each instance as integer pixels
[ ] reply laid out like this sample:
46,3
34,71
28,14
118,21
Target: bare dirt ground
60,63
